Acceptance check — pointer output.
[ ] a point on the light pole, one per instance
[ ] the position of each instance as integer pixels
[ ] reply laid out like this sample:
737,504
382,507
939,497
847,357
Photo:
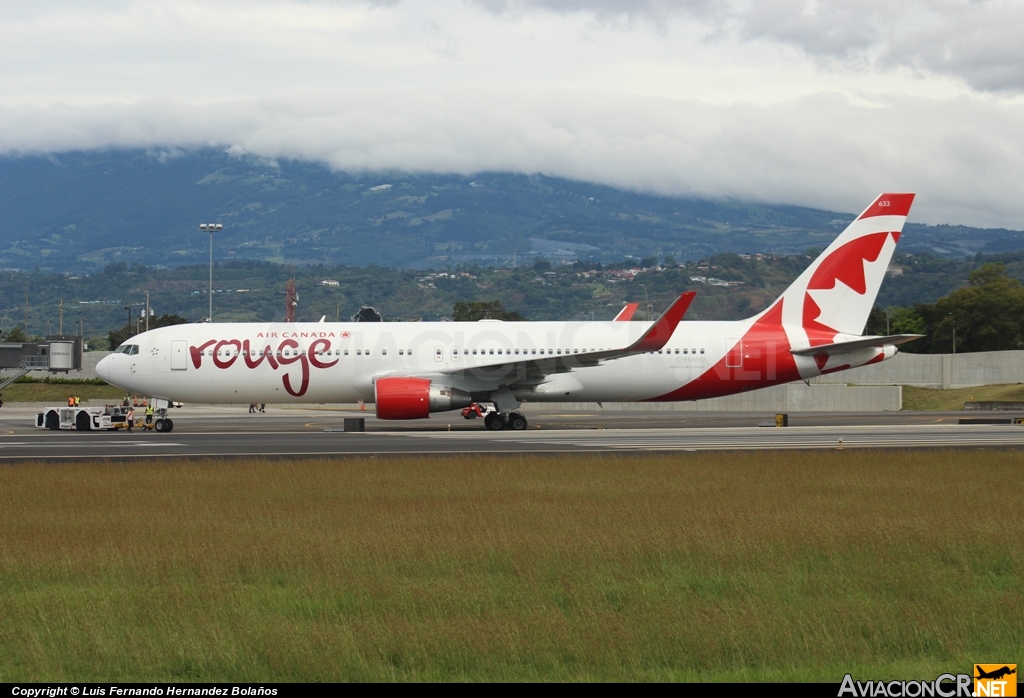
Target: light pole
647,303
953,320
886,311
211,228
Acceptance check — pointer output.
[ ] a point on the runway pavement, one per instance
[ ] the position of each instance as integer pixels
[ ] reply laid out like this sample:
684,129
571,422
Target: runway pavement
221,431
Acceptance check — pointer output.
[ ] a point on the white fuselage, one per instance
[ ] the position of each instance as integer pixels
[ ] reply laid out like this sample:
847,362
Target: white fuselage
338,362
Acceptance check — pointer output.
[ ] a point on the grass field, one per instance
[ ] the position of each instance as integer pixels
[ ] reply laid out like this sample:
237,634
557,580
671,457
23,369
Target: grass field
57,393
738,566
946,400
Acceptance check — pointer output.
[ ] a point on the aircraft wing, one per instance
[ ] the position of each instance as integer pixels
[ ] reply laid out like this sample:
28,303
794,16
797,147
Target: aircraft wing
855,344
535,370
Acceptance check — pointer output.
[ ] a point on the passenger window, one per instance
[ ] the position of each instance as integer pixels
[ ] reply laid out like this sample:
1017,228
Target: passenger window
384,352
346,352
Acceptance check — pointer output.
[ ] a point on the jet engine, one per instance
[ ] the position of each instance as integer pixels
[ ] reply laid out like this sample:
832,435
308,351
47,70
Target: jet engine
416,398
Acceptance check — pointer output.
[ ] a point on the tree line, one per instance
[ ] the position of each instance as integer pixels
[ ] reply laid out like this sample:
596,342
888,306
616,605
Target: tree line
985,315
980,302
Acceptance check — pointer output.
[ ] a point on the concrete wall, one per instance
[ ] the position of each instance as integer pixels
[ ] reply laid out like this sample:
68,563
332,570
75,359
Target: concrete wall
793,397
937,370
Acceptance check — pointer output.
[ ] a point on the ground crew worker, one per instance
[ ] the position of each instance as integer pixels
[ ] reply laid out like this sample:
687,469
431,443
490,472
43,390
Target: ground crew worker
126,401
130,418
135,401
71,400
149,415
78,401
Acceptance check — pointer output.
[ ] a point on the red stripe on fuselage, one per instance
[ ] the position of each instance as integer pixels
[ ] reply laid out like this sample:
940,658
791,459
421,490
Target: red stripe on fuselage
765,361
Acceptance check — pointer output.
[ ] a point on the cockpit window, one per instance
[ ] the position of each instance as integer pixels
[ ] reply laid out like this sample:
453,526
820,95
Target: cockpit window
130,349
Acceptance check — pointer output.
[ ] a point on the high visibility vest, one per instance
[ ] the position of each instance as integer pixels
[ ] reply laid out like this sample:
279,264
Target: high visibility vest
149,411
71,402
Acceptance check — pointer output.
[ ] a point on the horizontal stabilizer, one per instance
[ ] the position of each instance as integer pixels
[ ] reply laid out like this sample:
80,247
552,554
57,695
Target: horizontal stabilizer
855,344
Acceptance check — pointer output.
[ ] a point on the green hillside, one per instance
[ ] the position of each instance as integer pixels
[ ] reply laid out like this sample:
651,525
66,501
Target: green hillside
729,286
78,212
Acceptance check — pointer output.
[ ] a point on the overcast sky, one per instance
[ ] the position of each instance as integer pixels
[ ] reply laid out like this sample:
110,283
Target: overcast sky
811,103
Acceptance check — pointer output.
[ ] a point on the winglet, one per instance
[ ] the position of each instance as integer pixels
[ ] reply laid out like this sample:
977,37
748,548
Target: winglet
661,331
627,313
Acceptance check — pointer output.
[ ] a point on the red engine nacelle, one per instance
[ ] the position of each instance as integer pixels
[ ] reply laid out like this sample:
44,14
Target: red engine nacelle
416,398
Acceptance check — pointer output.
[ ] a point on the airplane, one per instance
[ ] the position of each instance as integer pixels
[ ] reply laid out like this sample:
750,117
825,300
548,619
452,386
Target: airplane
994,674
410,370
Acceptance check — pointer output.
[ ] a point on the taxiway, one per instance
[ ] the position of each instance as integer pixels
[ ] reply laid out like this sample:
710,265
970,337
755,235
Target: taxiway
226,431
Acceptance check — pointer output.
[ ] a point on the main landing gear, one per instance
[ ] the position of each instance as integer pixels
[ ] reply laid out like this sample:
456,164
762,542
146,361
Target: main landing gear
515,421
494,420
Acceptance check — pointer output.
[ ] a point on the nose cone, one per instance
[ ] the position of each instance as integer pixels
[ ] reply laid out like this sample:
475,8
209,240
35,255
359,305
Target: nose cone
103,368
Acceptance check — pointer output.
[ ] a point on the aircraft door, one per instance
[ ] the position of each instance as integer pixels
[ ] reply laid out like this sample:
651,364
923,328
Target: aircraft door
179,354
733,352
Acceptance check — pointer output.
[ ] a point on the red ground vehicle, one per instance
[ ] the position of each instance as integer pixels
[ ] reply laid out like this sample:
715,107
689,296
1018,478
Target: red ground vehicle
476,410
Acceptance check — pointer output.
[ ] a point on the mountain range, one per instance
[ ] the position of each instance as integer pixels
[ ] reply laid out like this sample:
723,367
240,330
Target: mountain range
78,212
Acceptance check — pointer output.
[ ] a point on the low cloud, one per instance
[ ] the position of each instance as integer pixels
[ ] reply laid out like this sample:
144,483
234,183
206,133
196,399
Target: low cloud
977,43
962,155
